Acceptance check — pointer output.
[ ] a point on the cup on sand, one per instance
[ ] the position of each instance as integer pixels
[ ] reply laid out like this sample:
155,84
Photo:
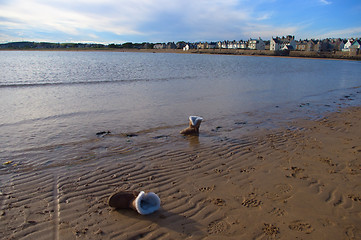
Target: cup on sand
194,124
143,203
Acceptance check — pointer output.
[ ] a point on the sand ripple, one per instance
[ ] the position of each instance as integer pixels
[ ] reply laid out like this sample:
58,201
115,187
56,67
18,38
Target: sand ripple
302,182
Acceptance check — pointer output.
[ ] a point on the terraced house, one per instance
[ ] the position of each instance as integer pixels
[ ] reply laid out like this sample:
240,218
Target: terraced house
284,43
256,44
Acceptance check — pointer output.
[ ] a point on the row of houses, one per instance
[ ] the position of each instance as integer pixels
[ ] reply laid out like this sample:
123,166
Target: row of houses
351,45
326,45
254,44
287,43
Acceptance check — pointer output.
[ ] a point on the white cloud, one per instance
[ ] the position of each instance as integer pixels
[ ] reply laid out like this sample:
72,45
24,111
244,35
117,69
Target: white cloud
148,20
264,16
4,38
45,16
121,17
325,2
267,31
341,33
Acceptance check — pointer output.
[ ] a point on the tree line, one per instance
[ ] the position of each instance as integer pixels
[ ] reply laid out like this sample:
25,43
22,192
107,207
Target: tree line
49,45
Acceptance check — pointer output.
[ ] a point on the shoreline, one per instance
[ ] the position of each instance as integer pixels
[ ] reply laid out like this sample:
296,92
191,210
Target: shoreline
297,181
236,52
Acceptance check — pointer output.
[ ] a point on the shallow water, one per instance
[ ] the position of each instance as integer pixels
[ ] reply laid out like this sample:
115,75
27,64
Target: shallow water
53,103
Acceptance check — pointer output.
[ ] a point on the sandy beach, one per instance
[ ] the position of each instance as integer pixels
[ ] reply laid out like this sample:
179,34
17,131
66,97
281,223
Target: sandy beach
301,181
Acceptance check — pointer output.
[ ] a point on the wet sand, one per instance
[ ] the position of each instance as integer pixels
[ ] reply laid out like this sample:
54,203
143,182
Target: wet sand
301,181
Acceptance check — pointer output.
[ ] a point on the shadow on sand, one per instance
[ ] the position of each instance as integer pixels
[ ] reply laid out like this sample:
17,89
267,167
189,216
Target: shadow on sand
169,220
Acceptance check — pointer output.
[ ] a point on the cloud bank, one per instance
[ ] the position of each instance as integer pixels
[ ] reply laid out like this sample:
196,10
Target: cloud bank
147,20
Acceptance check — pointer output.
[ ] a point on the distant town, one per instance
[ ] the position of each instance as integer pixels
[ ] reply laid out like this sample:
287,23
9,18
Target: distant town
285,45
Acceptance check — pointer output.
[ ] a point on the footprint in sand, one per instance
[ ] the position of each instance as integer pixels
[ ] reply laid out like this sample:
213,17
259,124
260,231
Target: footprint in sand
328,161
251,202
217,227
278,212
247,170
353,167
316,185
352,233
301,226
326,222
270,229
296,172
337,198
207,189
283,188
218,202
282,192
354,197
356,149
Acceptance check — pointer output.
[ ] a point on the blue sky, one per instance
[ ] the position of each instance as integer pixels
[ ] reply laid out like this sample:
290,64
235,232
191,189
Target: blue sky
119,21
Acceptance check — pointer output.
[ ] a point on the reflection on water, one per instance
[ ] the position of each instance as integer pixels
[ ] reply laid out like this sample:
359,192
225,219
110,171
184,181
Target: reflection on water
51,99
193,140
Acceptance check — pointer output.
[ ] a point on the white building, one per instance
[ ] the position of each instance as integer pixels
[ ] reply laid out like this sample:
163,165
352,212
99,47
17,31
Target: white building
284,43
159,46
232,44
256,44
347,45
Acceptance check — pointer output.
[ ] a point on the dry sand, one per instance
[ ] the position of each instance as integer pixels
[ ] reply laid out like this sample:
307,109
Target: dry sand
299,182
